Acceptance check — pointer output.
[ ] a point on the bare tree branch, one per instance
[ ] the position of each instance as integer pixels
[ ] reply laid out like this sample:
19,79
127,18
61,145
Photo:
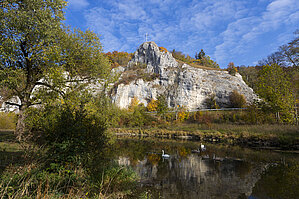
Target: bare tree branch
13,104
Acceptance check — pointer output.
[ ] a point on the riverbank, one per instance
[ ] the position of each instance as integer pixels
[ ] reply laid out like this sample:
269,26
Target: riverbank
261,136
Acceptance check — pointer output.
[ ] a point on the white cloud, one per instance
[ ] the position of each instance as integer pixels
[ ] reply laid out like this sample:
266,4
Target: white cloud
242,34
78,4
210,13
225,29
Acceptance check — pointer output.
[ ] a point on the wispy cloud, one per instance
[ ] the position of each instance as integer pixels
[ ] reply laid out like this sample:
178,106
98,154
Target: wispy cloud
226,29
78,4
243,33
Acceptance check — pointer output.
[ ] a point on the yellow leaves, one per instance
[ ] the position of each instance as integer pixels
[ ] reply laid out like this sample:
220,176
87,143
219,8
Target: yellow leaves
118,58
152,106
182,114
134,103
162,49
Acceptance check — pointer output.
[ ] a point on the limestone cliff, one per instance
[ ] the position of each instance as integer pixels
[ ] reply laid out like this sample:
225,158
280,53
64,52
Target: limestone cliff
152,72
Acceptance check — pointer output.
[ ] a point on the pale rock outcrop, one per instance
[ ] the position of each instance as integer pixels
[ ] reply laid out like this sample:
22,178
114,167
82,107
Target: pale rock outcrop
182,85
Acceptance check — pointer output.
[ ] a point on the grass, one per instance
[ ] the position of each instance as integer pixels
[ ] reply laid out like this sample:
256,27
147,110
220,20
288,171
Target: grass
283,136
23,178
8,120
10,151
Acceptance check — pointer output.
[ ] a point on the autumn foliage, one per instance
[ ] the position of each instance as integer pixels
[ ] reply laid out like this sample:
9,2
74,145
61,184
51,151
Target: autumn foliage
134,103
152,106
119,58
162,49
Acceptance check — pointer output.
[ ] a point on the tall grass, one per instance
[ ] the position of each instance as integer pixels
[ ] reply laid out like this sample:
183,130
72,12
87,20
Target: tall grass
33,181
8,120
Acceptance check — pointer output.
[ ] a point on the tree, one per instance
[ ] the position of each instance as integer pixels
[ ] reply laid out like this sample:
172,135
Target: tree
200,55
290,51
41,59
249,75
287,54
206,61
275,88
119,58
232,69
274,58
162,106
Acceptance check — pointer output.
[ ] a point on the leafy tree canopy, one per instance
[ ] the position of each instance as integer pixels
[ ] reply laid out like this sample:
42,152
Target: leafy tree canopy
275,88
40,58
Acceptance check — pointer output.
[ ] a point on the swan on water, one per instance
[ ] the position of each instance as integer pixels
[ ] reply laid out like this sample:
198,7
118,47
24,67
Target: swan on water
164,155
202,147
217,158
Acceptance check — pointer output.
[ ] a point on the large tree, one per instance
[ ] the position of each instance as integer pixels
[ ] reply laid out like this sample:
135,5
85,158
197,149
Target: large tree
274,87
40,58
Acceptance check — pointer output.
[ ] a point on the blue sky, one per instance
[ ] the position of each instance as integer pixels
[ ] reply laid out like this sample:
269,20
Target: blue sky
239,31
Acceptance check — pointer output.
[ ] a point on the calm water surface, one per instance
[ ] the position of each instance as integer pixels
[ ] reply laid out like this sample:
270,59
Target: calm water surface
219,172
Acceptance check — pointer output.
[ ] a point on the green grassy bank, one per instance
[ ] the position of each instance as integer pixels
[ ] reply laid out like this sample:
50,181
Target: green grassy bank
278,136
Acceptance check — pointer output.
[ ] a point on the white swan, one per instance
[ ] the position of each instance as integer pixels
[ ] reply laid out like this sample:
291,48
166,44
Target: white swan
202,147
165,155
217,158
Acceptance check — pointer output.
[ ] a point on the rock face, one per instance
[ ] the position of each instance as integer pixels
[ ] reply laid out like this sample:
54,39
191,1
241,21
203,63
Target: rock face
181,84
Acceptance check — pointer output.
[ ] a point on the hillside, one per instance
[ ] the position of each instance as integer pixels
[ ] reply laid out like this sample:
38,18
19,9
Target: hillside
152,72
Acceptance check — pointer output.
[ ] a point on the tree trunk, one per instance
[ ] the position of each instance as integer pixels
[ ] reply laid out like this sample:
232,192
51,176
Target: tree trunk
278,117
20,128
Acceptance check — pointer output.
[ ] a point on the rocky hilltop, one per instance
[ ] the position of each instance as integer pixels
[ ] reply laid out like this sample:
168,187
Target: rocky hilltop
153,72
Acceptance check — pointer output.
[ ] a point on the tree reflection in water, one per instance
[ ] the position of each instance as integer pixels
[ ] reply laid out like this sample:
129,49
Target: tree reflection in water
243,173
278,181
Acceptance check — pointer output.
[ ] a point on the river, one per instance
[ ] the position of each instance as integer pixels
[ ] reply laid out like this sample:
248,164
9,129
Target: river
221,171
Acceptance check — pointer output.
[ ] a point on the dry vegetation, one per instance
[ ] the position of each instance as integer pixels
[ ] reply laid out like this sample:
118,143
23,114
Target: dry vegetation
198,66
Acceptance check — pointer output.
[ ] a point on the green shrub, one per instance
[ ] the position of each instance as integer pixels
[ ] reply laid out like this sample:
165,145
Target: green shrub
69,133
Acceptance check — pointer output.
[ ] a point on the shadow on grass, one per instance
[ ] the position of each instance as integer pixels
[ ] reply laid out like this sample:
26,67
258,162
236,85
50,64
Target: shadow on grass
7,136
10,150
10,158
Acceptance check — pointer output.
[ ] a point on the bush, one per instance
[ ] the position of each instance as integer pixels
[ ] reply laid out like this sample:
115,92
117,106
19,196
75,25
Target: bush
182,114
69,133
152,106
232,70
211,102
237,100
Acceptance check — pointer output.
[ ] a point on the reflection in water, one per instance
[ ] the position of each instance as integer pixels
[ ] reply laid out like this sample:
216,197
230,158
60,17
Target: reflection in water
278,181
189,175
